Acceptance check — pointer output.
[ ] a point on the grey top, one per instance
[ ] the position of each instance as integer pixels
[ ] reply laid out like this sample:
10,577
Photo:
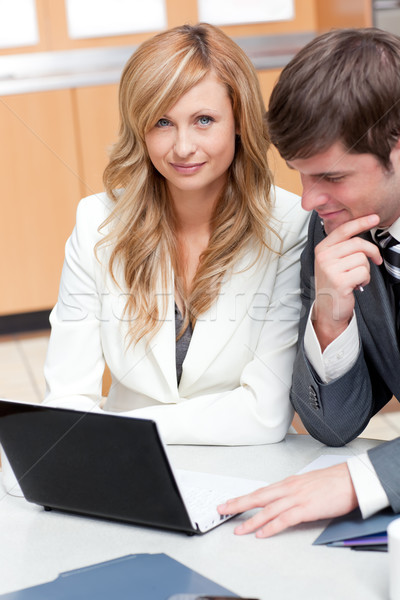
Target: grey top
182,344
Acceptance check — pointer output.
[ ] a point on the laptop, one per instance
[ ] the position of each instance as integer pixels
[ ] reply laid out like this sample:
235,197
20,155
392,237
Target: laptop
109,466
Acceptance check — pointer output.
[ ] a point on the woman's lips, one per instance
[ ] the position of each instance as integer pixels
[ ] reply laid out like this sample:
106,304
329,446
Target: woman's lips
187,169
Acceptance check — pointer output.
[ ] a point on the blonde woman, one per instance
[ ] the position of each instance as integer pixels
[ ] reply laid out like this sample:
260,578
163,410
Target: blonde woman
184,275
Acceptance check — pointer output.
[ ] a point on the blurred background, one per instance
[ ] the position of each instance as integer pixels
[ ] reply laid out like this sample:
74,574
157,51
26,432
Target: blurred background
60,63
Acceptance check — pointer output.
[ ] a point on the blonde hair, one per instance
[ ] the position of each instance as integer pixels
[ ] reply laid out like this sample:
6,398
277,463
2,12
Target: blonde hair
142,224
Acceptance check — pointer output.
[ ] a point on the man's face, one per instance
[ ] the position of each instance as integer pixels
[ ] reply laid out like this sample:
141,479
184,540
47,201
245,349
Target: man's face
342,186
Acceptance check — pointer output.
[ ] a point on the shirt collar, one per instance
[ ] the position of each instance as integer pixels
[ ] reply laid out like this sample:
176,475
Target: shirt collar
394,230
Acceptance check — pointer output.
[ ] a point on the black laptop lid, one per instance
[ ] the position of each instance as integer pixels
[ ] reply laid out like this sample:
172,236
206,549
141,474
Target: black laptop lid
90,463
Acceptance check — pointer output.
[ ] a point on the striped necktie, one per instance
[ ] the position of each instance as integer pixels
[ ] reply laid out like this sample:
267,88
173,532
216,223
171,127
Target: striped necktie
390,250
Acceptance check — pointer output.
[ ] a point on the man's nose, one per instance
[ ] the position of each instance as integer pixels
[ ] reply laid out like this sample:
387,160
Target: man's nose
314,194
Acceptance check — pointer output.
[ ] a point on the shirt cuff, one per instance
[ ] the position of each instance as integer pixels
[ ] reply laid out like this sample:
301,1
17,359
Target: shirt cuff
338,357
370,494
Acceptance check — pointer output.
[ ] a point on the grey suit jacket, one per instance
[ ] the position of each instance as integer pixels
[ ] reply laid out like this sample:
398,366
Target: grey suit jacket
337,412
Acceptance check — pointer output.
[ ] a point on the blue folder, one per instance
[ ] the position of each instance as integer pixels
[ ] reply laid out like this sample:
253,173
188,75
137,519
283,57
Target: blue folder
136,576
353,526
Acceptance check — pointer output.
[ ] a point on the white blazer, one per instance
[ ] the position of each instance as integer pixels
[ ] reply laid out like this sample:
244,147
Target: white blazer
237,372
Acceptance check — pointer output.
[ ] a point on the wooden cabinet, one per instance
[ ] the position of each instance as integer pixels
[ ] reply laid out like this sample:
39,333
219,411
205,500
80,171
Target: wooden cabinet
98,122
283,176
310,15
40,186
55,147
343,13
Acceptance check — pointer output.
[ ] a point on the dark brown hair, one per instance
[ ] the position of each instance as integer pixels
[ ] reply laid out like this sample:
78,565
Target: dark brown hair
342,86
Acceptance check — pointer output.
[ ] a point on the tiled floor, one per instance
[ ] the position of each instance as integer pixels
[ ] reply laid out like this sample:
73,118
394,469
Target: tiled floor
21,378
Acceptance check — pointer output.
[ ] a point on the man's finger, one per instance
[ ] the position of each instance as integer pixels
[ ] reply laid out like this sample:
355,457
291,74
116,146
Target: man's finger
289,518
356,248
267,514
242,503
351,228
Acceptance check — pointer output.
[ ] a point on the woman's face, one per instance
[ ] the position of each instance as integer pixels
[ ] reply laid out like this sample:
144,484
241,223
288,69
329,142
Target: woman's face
193,144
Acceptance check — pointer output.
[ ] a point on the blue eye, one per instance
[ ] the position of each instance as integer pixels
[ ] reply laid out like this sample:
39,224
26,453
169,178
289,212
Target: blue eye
162,123
205,120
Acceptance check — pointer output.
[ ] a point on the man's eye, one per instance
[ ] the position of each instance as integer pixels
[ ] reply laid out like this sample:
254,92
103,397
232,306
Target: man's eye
334,179
163,123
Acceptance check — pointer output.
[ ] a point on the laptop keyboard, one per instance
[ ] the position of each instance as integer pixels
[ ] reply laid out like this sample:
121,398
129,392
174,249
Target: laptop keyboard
202,503
202,492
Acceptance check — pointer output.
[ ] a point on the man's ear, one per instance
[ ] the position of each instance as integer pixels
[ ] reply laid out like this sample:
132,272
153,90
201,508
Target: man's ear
395,155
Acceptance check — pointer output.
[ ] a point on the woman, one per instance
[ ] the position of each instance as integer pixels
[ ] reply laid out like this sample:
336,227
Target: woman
183,277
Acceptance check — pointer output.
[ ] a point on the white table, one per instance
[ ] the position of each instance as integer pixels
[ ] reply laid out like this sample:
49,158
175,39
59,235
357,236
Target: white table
35,546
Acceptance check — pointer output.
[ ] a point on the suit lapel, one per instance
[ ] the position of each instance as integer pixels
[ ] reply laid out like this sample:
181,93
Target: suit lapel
215,328
376,322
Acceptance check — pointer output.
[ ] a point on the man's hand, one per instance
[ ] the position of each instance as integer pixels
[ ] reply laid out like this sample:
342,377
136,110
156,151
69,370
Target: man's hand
321,494
341,266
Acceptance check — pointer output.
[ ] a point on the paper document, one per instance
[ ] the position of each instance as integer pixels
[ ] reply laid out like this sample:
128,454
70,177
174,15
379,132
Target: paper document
324,461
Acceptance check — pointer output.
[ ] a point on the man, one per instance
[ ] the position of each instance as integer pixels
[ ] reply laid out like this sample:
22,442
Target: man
334,115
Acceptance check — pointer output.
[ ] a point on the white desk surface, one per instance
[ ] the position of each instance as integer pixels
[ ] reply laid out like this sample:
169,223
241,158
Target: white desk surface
35,546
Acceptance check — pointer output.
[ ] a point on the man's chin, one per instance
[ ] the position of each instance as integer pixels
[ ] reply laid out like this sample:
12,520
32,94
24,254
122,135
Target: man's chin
332,224
329,226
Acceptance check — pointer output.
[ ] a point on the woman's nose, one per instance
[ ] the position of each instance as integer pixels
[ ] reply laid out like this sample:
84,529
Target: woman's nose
184,143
